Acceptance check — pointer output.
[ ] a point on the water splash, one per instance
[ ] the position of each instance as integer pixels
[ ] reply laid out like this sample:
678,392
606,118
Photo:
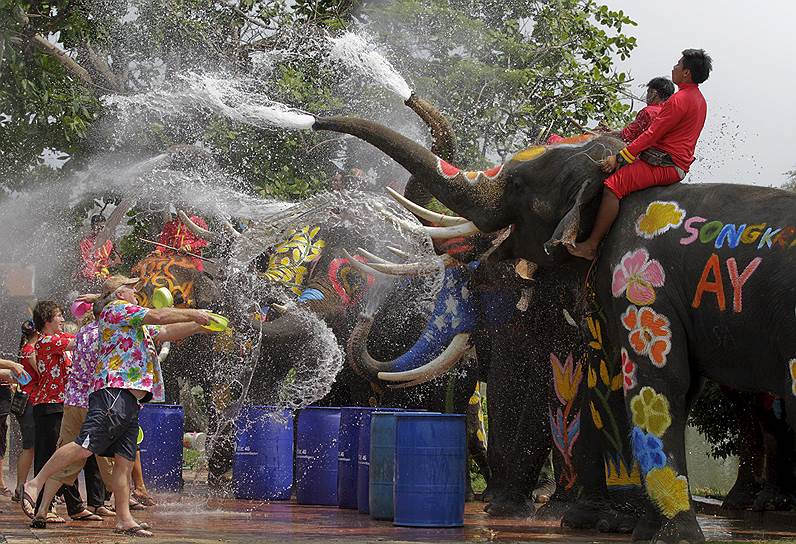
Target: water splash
236,98
358,53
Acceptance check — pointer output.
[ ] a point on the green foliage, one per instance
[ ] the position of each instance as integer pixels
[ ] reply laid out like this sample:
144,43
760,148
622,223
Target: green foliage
790,185
713,415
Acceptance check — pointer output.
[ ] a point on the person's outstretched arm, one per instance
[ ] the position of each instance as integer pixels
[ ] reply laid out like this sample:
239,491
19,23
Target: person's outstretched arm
168,316
177,331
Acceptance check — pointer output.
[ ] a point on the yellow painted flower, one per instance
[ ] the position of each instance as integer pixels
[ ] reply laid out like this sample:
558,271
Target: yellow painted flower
595,416
651,411
529,153
616,382
604,373
592,378
792,364
566,377
659,218
668,490
596,333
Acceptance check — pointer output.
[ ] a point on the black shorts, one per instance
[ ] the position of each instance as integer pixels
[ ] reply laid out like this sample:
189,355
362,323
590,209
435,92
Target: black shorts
27,426
5,409
111,426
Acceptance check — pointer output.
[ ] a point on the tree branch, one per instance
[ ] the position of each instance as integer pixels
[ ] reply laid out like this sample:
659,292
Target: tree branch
65,60
100,64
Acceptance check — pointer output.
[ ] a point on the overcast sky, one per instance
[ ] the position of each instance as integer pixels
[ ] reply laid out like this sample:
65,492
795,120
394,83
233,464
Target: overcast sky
750,133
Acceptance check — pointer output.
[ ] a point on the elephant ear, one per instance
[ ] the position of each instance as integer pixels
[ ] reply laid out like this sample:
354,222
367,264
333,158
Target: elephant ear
567,230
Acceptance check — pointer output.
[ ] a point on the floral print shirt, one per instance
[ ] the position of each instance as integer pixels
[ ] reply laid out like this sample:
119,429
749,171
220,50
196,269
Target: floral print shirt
127,357
53,362
84,362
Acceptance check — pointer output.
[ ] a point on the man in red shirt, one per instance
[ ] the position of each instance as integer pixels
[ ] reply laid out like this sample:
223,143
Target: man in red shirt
665,148
177,235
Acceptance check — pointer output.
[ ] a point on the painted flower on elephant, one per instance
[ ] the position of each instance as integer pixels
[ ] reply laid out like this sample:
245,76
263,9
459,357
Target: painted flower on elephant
287,264
659,218
648,450
596,333
650,411
566,377
649,333
595,416
637,276
792,365
628,372
668,490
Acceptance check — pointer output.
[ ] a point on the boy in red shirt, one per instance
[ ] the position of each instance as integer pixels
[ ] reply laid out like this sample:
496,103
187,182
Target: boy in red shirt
659,90
666,148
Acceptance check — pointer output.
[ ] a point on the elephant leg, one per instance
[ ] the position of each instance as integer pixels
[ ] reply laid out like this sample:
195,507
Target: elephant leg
220,437
658,407
777,491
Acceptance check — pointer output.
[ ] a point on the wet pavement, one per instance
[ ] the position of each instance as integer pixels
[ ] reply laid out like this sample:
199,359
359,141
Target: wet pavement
184,518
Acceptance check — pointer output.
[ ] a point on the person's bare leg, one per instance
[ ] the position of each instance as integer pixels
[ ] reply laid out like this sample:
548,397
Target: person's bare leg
606,215
24,463
63,456
48,494
139,487
121,492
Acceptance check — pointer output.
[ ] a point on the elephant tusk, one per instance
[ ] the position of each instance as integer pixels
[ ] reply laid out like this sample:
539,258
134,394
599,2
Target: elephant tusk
439,366
230,229
445,233
370,256
412,269
362,267
398,252
196,229
428,215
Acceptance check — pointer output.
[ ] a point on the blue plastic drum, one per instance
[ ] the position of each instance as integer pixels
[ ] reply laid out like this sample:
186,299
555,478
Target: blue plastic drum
363,464
161,448
348,456
316,456
382,465
430,469
263,465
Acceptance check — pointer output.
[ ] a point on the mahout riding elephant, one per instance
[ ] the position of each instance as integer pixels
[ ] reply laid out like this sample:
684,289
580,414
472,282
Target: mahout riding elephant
694,281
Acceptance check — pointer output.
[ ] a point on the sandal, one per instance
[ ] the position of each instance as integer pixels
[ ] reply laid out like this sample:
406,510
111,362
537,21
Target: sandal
28,505
86,516
52,517
146,500
136,530
38,523
135,505
5,492
103,511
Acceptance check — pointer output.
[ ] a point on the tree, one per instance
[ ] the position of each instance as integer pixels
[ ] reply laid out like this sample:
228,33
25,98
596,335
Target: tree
790,185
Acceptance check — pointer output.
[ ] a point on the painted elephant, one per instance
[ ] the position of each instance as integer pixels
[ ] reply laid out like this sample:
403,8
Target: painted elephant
694,280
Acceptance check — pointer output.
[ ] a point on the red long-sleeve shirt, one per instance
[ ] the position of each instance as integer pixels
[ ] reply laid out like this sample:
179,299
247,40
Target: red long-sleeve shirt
677,127
643,120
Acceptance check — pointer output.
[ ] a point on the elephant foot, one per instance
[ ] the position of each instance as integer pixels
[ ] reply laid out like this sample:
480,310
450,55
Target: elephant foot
682,529
741,496
599,515
510,506
544,491
771,498
553,509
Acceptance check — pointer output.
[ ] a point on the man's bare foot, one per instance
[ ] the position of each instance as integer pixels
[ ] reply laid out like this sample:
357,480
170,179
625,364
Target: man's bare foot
584,250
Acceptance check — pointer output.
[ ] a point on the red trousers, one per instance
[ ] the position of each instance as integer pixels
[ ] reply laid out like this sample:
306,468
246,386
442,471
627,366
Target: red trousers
640,175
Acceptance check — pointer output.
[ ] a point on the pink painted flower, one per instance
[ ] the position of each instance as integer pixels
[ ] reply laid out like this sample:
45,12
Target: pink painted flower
628,372
637,276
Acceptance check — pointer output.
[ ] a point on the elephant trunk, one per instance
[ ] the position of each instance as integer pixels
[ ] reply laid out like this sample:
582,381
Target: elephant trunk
443,145
478,201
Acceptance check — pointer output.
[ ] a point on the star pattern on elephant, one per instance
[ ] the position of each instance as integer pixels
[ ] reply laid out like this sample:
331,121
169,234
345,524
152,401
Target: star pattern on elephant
636,276
659,217
650,333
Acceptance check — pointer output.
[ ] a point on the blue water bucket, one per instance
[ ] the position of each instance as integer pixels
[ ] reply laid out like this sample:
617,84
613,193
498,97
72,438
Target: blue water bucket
161,448
363,461
262,468
316,456
382,465
430,469
348,455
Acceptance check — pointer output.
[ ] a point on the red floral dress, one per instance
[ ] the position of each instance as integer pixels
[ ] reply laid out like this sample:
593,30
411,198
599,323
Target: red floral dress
53,361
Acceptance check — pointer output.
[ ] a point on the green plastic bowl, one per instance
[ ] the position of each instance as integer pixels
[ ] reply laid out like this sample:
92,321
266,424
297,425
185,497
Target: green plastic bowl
217,323
161,298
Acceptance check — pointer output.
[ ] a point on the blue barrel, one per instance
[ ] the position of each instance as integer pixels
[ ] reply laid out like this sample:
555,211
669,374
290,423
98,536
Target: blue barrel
316,456
263,465
348,455
430,469
363,462
161,449
382,465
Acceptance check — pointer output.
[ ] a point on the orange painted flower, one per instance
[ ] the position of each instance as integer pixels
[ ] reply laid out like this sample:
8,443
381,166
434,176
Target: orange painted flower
566,378
650,334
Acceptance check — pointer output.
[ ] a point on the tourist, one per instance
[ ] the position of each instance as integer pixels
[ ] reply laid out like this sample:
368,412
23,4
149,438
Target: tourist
128,374
97,469
665,149
6,391
27,357
53,362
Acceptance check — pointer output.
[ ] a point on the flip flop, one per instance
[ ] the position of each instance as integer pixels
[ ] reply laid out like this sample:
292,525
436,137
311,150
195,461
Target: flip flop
146,500
28,505
52,517
103,511
136,530
88,516
5,492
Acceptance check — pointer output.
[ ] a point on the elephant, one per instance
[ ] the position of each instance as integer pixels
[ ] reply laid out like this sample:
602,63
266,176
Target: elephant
663,281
